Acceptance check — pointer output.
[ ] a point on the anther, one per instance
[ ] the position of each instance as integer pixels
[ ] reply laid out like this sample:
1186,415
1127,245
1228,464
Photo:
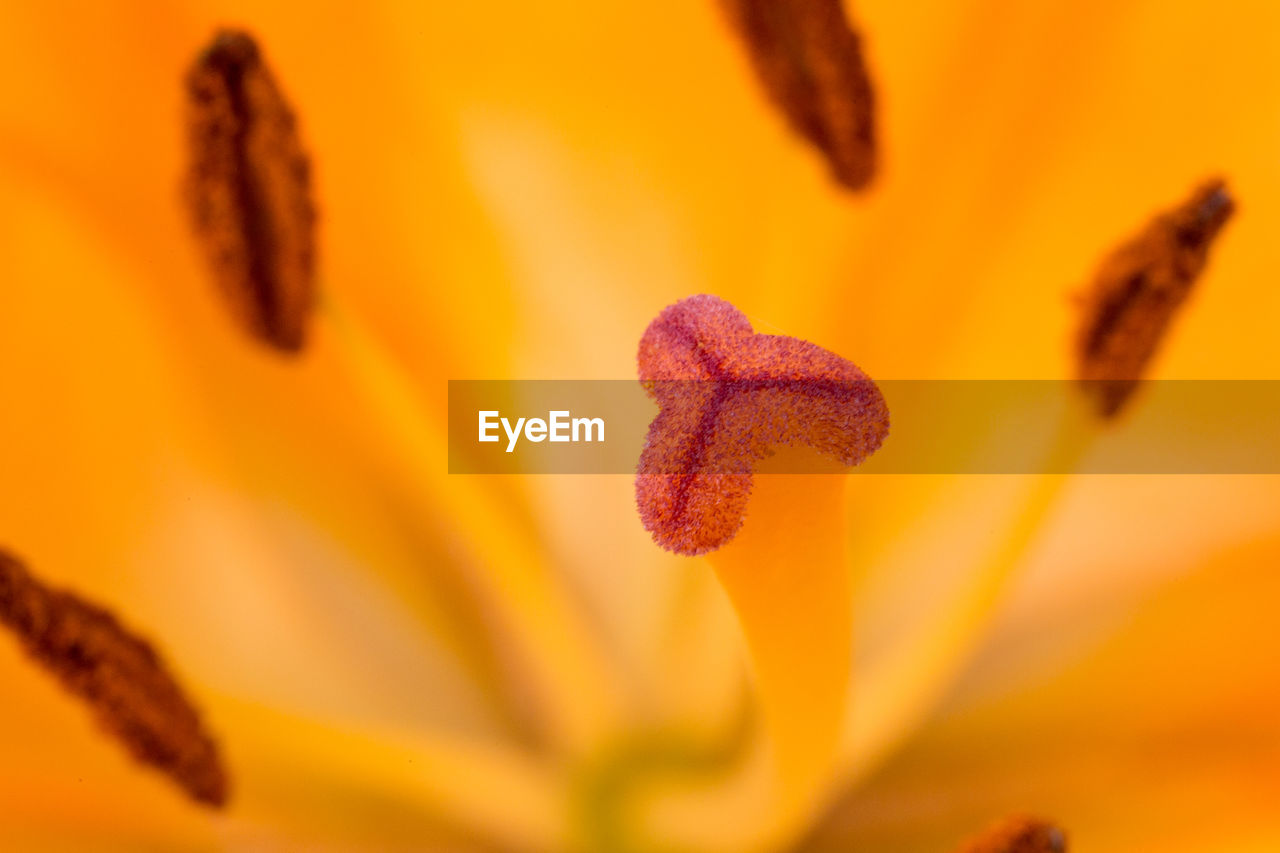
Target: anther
809,59
118,674
249,191
1138,290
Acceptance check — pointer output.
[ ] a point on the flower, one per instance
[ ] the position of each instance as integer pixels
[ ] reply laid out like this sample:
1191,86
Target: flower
394,658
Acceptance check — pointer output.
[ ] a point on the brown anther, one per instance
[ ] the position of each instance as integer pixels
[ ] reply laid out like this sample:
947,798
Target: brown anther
809,59
249,190
1017,835
119,676
1137,292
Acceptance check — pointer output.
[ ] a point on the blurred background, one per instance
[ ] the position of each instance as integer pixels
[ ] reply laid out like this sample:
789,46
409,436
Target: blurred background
395,659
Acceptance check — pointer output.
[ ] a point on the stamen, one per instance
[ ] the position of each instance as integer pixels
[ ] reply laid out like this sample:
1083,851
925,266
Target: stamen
809,59
1018,835
118,674
728,396
1137,292
249,190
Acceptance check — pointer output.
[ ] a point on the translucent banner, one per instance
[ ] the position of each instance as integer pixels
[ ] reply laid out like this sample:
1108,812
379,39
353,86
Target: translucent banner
936,426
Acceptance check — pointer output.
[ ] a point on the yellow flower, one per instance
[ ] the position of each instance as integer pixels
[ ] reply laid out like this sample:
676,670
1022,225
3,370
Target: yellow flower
393,658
